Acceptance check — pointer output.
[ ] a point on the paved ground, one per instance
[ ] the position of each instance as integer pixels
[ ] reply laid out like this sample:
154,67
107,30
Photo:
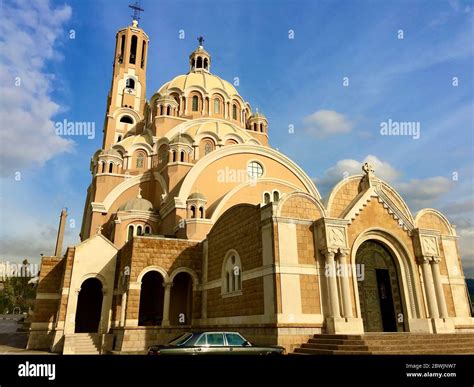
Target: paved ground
11,341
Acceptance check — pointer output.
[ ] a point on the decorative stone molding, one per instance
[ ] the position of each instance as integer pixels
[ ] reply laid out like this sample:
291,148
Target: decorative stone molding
426,244
331,235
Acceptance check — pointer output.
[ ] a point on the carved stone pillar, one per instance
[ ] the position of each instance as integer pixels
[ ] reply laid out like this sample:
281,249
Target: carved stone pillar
429,289
166,304
332,282
345,287
438,287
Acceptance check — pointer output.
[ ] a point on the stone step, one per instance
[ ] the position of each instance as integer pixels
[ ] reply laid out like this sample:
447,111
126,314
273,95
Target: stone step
346,347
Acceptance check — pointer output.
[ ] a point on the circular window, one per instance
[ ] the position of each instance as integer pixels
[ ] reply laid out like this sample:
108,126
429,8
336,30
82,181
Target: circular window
254,170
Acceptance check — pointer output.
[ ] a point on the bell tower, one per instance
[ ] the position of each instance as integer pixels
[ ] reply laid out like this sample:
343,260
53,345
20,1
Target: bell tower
127,97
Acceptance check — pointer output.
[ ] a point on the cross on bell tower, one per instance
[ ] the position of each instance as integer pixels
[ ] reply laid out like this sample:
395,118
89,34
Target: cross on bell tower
136,11
200,40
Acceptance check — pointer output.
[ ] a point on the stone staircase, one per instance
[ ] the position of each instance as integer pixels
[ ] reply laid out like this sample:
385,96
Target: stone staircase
82,344
389,344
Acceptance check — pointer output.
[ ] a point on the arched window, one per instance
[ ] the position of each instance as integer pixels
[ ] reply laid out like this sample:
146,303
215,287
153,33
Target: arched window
130,232
168,110
140,160
276,196
111,167
139,230
217,106
103,167
181,157
147,230
201,212
206,63
199,63
126,119
174,156
130,83
232,274
266,198
261,128
207,148
193,212
234,112
143,54
133,49
122,47
195,103
161,110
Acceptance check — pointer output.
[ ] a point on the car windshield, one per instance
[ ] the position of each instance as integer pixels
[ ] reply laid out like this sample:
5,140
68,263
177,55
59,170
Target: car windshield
181,339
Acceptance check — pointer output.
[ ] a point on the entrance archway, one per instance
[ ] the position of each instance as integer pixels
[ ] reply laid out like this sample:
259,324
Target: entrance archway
89,306
151,299
379,292
181,299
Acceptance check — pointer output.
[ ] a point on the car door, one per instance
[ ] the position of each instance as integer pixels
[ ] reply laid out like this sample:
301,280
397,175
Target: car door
237,344
211,344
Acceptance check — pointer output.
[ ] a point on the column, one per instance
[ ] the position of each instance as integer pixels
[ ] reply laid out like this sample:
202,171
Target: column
428,281
346,293
123,308
332,283
443,311
166,304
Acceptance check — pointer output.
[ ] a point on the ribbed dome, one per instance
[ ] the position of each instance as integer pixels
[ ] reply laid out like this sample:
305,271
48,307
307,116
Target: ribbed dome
137,204
197,195
203,80
110,152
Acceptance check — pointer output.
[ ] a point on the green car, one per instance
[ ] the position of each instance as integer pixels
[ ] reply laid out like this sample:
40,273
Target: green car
213,343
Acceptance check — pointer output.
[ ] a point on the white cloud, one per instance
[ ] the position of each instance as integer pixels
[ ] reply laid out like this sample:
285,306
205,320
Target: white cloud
30,31
325,123
348,167
421,193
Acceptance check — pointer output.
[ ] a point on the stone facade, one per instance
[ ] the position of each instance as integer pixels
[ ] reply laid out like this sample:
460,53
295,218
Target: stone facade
193,222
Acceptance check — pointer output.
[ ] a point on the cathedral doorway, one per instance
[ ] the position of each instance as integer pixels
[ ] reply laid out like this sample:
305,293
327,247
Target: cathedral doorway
151,299
181,299
89,306
379,291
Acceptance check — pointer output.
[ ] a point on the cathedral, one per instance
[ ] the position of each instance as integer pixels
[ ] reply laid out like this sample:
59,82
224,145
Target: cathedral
193,222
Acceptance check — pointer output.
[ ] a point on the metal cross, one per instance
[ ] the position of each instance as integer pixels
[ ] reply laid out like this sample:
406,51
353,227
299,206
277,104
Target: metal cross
136,10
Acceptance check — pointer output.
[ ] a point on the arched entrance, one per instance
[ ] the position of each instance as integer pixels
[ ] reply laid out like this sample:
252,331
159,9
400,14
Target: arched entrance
181,299
379,291
151,299
89,306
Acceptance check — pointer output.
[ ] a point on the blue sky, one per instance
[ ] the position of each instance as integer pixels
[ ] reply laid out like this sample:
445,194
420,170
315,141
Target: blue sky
296,82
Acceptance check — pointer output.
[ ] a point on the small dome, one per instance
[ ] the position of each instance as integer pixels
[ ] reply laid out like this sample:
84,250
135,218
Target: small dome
137,204
257,114
197,195
111,152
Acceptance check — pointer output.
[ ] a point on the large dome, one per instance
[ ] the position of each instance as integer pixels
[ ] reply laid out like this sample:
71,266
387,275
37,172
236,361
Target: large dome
203,80
137,204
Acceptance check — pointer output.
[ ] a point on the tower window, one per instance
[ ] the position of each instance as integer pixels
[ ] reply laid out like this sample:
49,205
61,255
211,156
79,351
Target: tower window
140,160
217,106
168,110
174,156
133,50
143,54
276,196
195,103
111,166
147,230
261,128
122,47
130,83
201,212
193,212
139,230
234,112
126,120
181,156
103,167
199,62
206,63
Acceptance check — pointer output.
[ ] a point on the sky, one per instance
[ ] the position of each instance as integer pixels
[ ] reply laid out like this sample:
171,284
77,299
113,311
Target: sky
327,74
